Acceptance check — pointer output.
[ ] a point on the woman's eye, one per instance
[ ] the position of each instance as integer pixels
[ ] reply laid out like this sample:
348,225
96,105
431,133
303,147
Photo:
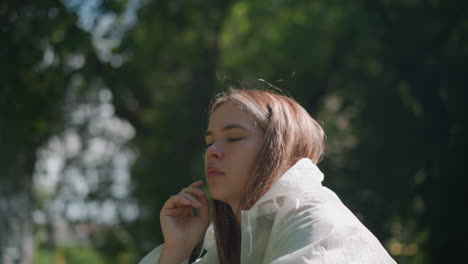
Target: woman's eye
229,140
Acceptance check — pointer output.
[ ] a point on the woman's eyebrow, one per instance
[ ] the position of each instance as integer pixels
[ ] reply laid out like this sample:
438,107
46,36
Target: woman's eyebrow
228,127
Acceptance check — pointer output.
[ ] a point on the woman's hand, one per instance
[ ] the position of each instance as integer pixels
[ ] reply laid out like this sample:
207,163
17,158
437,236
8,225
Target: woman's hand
182,230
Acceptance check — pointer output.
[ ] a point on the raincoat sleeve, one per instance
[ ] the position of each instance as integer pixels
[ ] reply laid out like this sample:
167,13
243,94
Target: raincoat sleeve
153,256
325,234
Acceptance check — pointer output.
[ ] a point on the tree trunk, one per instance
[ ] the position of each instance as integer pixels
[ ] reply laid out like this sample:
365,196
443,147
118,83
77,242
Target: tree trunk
16,200
16,240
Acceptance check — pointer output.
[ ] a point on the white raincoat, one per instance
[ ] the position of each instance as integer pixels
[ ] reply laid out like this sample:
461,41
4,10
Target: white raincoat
298,221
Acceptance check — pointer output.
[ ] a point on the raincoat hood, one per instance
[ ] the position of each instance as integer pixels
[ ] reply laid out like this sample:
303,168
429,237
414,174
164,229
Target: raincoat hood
302,177
298,221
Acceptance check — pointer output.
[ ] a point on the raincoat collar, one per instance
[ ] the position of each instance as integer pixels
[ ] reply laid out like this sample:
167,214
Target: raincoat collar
302,176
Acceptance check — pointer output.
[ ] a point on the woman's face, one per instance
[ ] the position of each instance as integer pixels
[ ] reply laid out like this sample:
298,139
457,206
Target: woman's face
233,141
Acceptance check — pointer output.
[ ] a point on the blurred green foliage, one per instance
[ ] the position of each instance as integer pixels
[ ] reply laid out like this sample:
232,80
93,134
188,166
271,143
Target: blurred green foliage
69,255
386,78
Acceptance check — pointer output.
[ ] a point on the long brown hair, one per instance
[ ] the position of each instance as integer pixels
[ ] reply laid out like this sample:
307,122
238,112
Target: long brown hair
290,134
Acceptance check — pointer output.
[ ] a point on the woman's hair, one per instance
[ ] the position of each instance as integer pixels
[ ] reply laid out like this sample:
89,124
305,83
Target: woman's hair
290,134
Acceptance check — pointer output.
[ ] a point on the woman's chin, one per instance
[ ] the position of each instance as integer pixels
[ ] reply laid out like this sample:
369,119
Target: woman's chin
216,196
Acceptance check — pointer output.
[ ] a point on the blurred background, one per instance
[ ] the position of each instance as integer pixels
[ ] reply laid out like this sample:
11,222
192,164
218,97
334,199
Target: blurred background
103,109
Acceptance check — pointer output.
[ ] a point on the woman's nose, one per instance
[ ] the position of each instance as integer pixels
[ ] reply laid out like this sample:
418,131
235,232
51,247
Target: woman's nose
215,152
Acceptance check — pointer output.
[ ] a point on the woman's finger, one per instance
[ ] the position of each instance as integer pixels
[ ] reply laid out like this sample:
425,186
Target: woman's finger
198,183
176,201
194,191
193,200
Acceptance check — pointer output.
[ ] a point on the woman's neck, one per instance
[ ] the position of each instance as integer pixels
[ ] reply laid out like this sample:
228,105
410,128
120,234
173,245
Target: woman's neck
235,210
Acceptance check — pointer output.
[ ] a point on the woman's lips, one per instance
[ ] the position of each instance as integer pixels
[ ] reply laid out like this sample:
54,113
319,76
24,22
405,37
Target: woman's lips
213,172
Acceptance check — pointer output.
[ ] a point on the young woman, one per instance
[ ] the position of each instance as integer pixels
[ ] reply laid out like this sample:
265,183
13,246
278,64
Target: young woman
268,204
